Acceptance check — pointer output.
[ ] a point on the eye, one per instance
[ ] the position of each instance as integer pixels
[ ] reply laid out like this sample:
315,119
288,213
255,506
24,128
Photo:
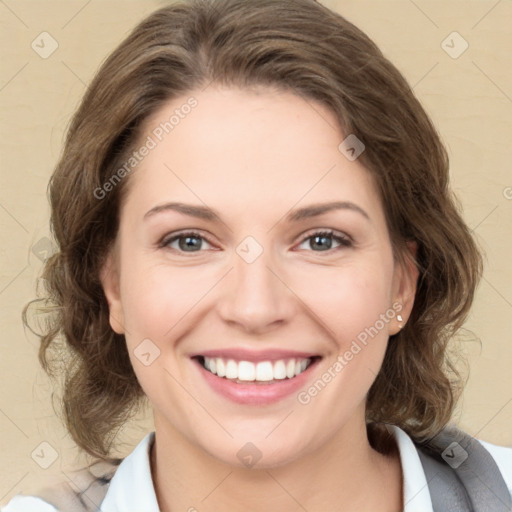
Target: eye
189,241
323,240
192,241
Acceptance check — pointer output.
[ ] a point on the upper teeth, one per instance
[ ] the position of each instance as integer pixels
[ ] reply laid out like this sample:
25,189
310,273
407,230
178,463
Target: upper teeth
262,371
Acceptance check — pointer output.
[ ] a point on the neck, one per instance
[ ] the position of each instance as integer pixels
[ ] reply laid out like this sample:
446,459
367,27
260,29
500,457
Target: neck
345,474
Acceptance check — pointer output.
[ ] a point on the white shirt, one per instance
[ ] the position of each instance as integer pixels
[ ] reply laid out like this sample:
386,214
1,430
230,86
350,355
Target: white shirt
131,489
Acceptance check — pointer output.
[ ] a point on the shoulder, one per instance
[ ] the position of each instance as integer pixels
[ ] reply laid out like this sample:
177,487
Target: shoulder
502,455
21,503
483,469
126,485
85,494
455,464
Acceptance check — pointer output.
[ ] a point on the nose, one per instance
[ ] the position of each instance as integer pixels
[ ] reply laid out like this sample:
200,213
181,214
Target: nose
256,298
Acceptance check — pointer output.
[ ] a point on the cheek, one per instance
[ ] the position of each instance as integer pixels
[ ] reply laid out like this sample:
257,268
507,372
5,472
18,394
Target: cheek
348,299
158,301
158,297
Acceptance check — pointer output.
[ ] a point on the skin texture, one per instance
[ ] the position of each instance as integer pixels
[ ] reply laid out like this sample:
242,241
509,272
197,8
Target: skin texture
253,156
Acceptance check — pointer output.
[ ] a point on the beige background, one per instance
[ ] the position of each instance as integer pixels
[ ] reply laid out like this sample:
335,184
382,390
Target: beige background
468,97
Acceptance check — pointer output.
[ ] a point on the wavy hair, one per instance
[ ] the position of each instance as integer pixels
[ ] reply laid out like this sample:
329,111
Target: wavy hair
302,47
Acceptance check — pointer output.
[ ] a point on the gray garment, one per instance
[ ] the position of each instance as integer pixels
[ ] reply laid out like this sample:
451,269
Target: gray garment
462,475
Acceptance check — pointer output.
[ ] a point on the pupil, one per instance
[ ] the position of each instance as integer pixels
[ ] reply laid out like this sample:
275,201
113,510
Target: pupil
323,237
188,242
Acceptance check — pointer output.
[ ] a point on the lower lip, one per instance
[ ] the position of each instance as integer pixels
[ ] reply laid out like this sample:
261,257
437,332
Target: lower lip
256,394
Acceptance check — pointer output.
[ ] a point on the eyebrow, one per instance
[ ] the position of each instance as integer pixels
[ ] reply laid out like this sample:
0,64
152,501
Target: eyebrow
206,213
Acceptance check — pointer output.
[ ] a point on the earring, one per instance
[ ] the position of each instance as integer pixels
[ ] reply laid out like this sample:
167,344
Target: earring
400,320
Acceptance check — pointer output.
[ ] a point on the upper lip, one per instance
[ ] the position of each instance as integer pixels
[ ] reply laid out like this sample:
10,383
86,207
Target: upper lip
240,354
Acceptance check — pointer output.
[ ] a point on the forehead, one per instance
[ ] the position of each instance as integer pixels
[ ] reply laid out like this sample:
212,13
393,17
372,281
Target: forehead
252,148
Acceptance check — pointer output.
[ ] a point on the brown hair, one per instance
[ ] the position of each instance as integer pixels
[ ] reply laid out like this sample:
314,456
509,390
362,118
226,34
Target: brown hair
299,46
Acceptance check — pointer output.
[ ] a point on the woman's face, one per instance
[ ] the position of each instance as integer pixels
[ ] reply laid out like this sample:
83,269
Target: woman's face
255,291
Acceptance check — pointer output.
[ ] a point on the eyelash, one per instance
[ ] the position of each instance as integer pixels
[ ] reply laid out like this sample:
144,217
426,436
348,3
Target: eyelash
343,240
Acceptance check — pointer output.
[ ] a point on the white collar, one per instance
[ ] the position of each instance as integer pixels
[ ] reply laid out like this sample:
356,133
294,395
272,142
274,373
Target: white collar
416,493
131,488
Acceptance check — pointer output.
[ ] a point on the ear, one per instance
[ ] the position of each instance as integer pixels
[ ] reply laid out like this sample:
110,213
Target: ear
109,277
405,280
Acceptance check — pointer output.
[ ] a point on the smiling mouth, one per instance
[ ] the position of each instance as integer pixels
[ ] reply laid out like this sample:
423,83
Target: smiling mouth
260,373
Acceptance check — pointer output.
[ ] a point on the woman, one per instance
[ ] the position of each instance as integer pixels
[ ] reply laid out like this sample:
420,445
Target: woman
256,233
